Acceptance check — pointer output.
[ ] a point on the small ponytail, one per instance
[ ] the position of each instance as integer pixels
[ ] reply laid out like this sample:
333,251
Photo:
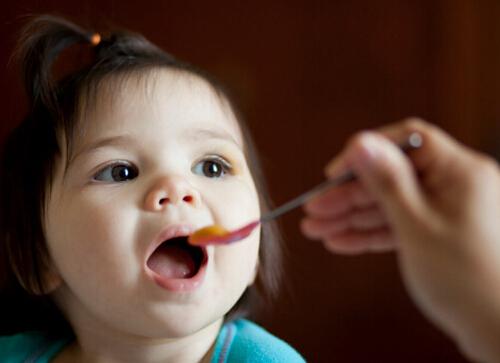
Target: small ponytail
40,44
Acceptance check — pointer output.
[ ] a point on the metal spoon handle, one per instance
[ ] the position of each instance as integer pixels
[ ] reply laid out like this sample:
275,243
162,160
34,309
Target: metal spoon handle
414,141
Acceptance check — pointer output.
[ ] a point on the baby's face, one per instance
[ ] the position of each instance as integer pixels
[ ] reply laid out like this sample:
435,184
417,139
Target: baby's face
159,159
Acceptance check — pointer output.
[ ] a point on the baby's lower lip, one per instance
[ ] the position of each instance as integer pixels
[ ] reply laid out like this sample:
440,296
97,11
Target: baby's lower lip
180,284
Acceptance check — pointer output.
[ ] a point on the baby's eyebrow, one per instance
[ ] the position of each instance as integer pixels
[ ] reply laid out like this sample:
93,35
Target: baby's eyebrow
203,134
119,140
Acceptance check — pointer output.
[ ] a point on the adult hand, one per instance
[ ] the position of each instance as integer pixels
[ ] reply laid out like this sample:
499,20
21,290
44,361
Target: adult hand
439,207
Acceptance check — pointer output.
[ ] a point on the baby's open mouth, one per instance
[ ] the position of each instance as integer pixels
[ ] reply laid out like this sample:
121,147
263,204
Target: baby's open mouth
175,258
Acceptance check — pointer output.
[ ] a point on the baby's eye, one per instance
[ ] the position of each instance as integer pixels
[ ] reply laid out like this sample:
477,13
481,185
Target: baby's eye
213,167
117,172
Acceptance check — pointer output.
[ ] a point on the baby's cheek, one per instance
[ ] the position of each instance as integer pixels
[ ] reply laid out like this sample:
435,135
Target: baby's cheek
238,206
237,262
92,245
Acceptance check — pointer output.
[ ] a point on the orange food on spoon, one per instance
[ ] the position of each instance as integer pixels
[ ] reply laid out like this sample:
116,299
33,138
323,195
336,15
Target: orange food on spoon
217,235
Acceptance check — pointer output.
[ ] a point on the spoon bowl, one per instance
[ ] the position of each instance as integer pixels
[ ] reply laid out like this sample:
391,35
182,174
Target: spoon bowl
218,235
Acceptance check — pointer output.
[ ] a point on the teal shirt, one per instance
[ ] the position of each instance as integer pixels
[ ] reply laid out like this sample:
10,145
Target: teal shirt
245,342
238,341
30,347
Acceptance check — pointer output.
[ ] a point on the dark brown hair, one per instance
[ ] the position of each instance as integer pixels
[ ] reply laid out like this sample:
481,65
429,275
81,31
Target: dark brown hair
32,149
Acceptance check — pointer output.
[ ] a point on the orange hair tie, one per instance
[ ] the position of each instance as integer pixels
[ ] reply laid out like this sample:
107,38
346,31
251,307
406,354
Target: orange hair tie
95,39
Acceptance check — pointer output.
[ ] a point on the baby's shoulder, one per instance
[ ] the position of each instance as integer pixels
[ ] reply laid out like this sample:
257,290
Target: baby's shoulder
243,341
29,347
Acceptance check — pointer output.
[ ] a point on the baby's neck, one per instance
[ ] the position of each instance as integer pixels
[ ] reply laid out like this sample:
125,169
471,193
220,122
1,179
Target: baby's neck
97,349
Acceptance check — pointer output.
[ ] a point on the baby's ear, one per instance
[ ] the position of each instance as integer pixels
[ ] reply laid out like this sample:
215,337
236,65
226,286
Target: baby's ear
51,280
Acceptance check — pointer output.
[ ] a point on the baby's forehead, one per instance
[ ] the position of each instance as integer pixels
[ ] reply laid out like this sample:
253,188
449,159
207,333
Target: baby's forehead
165,93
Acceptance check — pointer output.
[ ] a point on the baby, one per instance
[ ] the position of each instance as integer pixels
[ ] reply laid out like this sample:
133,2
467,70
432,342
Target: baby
114,166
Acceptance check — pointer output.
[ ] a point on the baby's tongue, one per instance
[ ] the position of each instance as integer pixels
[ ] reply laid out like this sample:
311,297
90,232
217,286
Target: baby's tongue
172,261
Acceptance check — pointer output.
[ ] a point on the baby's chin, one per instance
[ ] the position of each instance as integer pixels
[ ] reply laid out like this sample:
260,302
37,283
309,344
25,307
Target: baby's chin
181,319
180,328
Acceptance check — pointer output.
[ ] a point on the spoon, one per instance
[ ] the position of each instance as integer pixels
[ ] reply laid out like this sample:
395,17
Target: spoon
218,235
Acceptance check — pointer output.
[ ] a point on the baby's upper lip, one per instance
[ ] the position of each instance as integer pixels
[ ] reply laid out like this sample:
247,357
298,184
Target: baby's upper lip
171,231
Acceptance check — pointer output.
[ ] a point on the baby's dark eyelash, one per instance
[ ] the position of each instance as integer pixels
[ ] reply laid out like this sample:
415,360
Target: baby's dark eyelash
213,166
118,171
228,167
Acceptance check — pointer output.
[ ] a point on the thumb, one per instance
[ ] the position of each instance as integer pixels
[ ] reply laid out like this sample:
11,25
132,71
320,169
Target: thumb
388,174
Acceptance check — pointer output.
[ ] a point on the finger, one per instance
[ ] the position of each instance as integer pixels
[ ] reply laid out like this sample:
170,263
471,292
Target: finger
339,201
315,228
388,174
356,242
365,219
441,159
438,147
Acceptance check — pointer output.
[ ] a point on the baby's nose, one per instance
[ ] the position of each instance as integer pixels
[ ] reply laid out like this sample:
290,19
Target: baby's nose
170,190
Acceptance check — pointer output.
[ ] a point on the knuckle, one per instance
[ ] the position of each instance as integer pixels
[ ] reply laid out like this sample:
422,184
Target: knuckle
415,124
487,166
431,133
356,140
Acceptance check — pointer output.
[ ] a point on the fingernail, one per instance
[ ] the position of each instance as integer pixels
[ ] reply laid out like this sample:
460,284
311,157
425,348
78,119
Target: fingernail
369,152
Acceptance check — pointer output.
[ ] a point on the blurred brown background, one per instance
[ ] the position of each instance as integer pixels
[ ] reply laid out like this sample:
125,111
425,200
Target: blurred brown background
307,75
